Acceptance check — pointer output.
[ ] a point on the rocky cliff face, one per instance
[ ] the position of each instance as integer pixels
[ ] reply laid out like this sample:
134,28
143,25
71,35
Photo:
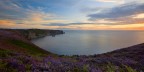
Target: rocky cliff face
37,33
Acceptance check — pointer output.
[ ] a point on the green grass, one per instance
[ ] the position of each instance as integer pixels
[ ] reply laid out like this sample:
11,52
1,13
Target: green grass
5,53
129,69
29,47
112,68
85,68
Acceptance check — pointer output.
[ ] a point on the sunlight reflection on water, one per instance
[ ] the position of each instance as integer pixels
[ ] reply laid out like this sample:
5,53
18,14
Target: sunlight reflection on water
89,42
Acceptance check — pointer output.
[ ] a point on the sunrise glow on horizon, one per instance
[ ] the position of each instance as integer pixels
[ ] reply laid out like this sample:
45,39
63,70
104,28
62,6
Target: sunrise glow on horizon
73,14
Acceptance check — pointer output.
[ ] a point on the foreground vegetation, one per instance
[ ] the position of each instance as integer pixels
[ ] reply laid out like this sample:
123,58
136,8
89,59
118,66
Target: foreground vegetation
19,55
17,62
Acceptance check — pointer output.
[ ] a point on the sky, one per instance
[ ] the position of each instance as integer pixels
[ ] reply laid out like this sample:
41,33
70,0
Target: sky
72,14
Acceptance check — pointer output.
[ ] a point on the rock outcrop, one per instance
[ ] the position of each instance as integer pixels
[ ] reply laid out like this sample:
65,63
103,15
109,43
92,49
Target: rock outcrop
36,33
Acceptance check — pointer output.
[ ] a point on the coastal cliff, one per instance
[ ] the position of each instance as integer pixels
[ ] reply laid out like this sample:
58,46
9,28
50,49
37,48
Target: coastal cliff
36,33
18,54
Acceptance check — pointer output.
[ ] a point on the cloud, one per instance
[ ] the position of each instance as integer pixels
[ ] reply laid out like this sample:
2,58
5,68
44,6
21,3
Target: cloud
66,24
112,1
56,24
37,14
100,22
139,16
10,10
6,22
13,12
120,11
122,14
87,9
41,17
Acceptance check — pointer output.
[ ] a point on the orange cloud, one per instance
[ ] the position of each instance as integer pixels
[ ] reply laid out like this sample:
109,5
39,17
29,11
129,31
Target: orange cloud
40,17
7,22
12,24
108,27
139,15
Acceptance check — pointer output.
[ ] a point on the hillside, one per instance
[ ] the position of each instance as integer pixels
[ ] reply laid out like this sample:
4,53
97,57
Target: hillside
18,54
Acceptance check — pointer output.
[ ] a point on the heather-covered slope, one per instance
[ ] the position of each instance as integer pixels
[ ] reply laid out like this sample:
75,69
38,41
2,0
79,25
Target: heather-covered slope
17,54
15,41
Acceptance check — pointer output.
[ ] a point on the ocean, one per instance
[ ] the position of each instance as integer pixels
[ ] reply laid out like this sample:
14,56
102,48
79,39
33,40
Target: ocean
82,42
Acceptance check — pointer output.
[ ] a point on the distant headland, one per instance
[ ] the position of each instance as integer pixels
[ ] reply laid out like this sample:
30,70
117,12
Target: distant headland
36,33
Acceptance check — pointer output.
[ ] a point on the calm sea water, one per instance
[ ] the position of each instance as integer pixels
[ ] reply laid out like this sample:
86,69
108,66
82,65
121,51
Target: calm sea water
89,42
